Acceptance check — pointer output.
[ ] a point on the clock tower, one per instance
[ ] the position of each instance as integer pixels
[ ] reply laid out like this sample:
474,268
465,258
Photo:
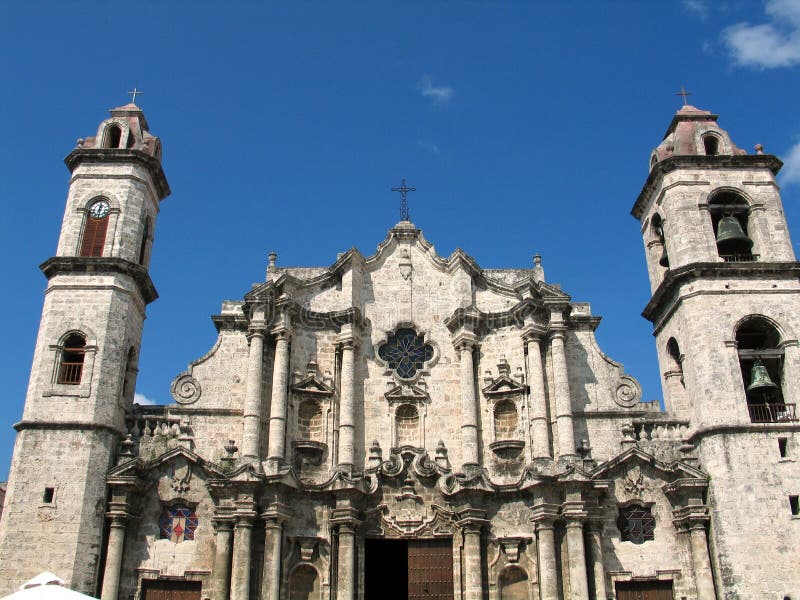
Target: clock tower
85,361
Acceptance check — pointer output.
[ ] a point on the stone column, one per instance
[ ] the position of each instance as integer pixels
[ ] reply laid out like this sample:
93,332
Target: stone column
470,445
563,402
253,394
471,527
595,551
544,517
701,562
280,394
540,428
578,582
116,542
221,574
347,405
345,577
242,545
271,580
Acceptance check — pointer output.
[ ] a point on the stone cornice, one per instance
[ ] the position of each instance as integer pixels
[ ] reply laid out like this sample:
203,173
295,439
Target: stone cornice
65,425
72,265
121,155
766,161
664,295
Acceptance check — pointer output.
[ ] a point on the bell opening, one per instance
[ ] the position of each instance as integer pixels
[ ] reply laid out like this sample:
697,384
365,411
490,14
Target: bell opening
729,213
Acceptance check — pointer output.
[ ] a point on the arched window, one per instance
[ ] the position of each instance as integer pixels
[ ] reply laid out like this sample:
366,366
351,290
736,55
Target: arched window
73,353
131,140
112,136
309,421
505,420
729,216
407,425
761,363
304,584
711,144
675,358
143,246
513,584
657,226
95,228
129,382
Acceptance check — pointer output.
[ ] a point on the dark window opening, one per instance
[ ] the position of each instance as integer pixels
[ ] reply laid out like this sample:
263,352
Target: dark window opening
113,136
70,370
131,140
658,231
711,145
729,216
636,524
794,505
783,446
94,236
48,495
145,236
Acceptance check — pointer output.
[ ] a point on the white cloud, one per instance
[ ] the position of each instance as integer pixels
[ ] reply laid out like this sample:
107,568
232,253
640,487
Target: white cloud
699,8
432,148
791,166
439,94
142,399
775,43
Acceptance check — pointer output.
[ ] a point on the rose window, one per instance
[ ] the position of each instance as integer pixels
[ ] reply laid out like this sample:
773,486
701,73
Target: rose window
406,352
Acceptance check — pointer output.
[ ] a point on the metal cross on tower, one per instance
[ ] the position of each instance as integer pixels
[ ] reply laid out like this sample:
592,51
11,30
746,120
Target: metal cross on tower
684,93
404,214
133,94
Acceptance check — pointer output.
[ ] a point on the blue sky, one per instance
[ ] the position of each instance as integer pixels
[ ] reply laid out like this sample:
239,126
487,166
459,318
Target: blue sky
525,127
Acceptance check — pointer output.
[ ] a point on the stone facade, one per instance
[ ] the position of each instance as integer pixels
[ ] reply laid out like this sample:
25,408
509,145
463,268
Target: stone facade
411,422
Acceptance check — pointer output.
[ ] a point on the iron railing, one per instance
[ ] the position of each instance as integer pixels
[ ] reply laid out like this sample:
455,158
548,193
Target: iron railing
772,413
70,373
740,257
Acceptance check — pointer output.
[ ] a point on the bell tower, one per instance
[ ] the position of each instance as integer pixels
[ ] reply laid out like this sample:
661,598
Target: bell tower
85,361
725,309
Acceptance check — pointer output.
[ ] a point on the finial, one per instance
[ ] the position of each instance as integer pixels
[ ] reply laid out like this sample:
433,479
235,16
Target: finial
759,149
134,93
684,93
404,214
537,260
273,258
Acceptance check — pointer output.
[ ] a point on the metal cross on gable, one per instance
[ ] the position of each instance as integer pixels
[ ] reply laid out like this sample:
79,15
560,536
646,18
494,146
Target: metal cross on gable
403,189
683,93
133,94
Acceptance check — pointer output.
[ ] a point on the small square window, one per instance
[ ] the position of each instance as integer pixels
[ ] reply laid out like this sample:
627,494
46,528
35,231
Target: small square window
636,524
783,446
49,494
794,505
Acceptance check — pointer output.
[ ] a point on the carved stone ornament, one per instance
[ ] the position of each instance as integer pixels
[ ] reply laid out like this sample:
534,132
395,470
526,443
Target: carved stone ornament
185,389
628,392
634,483
180,478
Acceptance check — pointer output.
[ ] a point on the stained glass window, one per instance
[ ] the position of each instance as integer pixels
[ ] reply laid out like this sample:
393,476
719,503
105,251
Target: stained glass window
178,523
636,524
406,352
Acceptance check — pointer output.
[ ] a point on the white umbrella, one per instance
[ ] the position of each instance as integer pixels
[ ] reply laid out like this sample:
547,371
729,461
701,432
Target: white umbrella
46,586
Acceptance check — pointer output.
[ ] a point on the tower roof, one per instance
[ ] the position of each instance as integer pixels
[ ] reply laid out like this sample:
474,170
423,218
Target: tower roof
694,131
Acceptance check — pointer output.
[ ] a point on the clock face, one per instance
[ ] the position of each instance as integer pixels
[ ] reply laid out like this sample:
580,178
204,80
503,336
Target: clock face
99,209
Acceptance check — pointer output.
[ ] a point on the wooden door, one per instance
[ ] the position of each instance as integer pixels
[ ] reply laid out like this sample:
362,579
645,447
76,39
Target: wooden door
644,590
430,570
165,589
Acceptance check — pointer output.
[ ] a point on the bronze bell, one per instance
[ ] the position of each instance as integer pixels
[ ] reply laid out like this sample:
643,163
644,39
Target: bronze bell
731,238
664,260
759,379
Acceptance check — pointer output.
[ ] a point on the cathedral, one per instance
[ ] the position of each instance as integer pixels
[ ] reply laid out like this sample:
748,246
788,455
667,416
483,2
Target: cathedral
409,425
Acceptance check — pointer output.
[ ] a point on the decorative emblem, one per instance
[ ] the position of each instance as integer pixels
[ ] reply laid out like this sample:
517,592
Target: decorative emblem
405,352
628,392
178,524
185,389
634,483
181,476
